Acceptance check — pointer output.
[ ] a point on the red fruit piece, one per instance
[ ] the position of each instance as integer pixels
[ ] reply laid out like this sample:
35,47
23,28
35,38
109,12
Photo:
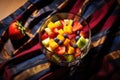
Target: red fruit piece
71,36
82,33
77,26
62,22
52,35
60,50
44,36
78,53
55,30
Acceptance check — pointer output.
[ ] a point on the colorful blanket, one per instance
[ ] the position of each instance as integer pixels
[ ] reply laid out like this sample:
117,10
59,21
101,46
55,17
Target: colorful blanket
23,59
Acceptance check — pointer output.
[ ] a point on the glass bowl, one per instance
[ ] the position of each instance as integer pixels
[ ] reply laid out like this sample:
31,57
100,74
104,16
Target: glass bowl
65,38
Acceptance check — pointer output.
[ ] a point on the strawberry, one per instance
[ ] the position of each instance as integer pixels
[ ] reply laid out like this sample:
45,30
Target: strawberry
60,50
44,36
77,26
16,30
78,52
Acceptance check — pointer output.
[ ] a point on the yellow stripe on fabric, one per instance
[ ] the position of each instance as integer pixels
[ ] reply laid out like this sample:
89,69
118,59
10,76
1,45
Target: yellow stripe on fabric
113,55
98,42
32,71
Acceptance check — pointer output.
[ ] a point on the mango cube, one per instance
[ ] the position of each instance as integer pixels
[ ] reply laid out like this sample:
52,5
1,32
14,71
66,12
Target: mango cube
67,29
53,44
61,31
71,50
66,42
51,25
60,37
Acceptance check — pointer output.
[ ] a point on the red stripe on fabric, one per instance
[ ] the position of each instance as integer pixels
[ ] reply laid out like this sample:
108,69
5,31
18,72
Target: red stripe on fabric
98,15
77,6
34,48
109,22
2,65
7,74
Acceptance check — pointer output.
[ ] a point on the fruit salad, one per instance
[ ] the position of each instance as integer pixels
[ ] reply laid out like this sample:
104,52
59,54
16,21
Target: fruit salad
65,39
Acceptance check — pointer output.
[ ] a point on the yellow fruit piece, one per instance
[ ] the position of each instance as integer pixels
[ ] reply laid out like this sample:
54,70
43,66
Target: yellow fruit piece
71,50
48,30
66,42
51,25
61,31
67,29
53,44
60,37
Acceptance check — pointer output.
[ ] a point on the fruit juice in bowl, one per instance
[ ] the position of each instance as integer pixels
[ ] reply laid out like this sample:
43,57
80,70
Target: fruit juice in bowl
65,38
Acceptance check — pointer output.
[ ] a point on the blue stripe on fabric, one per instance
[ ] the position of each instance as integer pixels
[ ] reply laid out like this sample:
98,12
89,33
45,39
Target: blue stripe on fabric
91,7
33,1
29,63
116,44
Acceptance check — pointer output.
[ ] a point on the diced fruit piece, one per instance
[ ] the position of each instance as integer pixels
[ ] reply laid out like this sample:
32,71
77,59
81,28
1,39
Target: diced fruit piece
62,22
53,44
48,30
81,42
68,22
46,41
44,36
60,37
58,23
60,50
56,58
52,35
71,50
55,30
66,42
61,31
77,26
49,48
82,33
67,29
51,25
71,36
69,58
78,52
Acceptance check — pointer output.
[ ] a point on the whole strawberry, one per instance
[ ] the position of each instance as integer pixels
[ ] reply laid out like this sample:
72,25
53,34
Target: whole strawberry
16,31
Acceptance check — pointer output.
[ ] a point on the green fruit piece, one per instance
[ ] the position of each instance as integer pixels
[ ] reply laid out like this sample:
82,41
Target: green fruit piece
69,58
56,58
46,41
81,42
58,23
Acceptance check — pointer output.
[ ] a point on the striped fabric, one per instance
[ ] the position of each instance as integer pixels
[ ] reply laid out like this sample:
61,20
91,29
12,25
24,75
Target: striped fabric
24,60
